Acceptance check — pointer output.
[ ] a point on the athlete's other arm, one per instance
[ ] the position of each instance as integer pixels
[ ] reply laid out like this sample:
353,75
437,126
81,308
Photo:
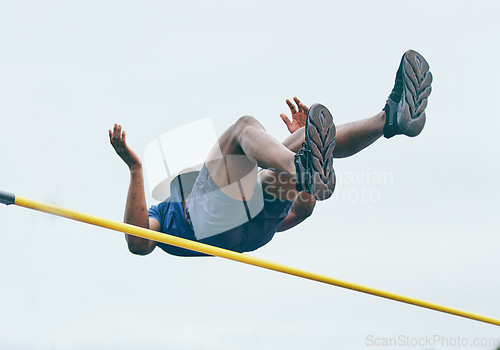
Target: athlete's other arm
302,208
136,211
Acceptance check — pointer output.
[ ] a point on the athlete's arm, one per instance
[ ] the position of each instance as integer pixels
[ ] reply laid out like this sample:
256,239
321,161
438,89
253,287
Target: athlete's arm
136,211
302,208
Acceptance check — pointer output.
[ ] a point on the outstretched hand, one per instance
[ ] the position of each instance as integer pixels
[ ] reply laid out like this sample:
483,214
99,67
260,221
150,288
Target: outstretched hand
119,143
299,115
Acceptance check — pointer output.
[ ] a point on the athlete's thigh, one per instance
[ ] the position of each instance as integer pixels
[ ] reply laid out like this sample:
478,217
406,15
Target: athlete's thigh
278,185
231,170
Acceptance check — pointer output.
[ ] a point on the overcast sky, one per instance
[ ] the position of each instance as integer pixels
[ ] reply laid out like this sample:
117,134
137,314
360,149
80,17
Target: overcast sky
429,229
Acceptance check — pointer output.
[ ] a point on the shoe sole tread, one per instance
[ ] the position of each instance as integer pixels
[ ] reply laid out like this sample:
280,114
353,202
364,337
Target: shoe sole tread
320,139
417,81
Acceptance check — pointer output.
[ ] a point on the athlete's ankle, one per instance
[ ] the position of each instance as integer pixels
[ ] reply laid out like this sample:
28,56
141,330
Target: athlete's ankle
380,119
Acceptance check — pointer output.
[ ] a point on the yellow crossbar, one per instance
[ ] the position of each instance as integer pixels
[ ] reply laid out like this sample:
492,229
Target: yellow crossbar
8,198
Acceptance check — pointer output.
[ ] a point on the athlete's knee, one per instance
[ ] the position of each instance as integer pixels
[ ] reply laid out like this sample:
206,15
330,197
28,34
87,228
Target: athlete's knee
245,122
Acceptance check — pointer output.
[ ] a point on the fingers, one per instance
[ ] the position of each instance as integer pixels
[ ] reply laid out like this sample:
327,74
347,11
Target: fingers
302,107
305,110
117,136
299,104
291,106
117,132
286,120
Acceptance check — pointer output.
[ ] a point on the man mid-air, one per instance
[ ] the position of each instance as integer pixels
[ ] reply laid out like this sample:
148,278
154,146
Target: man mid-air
294,174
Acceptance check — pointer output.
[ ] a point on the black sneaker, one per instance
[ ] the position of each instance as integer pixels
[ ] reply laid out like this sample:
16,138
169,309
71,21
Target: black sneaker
314,161
405,107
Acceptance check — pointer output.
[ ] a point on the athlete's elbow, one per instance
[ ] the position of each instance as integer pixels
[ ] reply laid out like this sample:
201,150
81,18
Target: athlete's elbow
140,246
139,250
304,212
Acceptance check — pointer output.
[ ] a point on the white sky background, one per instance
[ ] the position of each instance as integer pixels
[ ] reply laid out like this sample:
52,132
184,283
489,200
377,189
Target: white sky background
69,70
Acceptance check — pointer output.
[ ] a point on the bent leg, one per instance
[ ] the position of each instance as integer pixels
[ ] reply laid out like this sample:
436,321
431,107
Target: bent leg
246,143
239,150
350,139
